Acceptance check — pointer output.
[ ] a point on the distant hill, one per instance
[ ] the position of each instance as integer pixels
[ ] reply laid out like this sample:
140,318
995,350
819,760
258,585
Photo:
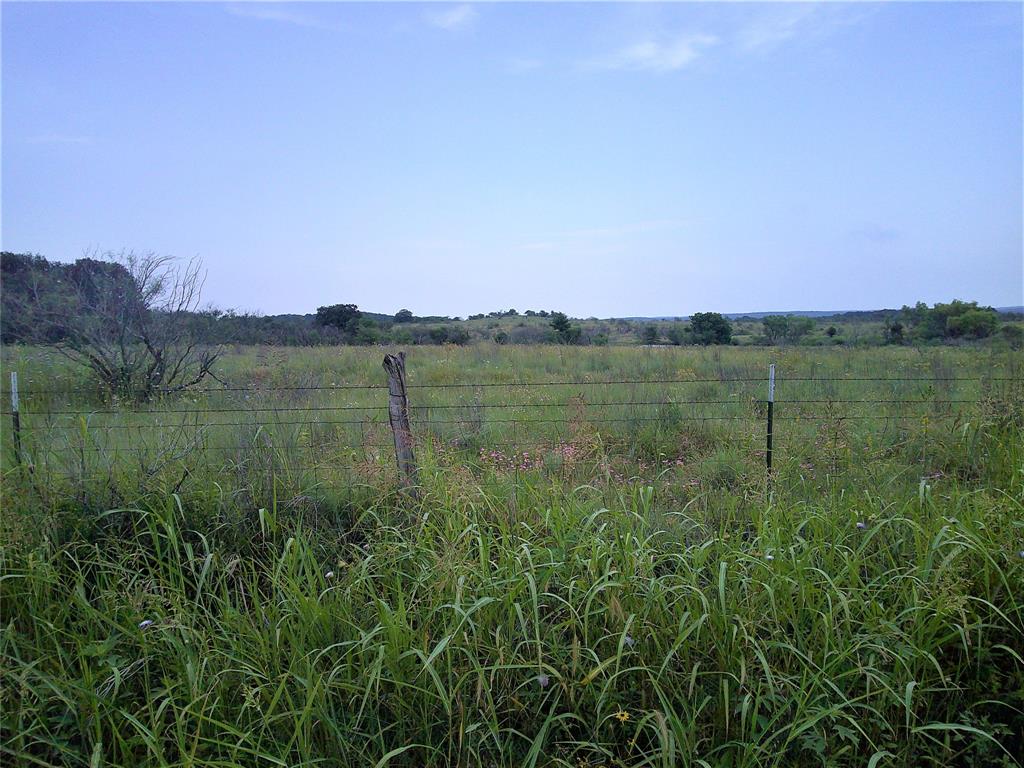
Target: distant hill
759,315
840,314
35,290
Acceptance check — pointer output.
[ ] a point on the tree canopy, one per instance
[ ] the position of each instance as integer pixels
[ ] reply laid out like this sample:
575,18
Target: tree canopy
710,328
344,317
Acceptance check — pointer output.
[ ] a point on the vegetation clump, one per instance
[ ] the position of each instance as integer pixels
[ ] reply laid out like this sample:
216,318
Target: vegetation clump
613,584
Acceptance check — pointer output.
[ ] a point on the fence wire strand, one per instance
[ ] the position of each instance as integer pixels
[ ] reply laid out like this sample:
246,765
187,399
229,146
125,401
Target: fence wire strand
269,444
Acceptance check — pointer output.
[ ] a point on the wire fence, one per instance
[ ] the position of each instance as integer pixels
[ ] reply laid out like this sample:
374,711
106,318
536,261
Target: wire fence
57,429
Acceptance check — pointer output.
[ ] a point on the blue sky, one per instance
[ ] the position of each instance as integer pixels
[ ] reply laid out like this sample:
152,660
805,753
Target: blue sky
604,159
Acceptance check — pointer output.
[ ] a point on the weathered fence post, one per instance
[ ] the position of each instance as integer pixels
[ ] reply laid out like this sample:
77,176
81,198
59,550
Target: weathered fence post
398,414
771,414
15,418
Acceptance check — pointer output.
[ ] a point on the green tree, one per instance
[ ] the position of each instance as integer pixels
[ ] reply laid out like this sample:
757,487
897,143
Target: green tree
457,335
776,328
892,331
344,317
559,322
1013,334
710,328
565,332
679,334
650,334
957,319
367,332
798,328
786,328
402,336
403,316
972,324
449,334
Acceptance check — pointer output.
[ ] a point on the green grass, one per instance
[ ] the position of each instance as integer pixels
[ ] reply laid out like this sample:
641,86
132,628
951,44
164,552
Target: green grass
629,594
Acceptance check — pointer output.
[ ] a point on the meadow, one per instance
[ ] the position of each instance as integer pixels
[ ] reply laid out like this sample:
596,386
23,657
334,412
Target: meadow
597,569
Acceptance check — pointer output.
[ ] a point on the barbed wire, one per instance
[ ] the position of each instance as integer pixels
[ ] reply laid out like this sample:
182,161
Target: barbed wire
560,383
448,406
470,420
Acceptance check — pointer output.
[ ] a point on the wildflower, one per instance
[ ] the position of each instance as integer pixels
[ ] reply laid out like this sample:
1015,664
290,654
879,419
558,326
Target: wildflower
622,715
769,557
861,525
329,575
628,639
1021,553
145,623
543,681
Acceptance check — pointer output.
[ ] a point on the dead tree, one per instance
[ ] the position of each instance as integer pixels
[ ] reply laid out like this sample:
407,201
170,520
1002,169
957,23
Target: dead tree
134,320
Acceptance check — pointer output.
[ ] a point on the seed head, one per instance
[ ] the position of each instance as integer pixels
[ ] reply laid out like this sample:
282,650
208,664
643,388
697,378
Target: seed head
543,681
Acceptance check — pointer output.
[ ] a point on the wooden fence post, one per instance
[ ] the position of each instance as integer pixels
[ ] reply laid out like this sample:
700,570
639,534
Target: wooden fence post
15,418
398,414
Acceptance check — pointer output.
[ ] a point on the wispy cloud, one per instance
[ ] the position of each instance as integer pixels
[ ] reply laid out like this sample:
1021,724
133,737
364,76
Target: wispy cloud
453,19
770,29
58,138
282,13
667,54
523,65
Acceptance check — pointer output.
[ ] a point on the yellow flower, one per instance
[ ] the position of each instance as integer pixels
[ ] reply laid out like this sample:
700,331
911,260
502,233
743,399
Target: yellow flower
622,716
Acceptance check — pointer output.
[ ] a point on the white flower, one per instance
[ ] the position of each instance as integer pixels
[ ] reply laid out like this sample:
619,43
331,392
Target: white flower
769,557
543,681
329,575
145,623
861,525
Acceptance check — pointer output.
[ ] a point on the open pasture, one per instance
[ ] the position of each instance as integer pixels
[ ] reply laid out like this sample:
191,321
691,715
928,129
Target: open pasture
597,570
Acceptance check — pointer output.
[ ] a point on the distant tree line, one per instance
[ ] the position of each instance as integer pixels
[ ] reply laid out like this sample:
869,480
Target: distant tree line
956,320
56,303
511,313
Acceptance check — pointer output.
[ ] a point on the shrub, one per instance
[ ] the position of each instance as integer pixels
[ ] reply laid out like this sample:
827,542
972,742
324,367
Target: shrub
710,328
565,332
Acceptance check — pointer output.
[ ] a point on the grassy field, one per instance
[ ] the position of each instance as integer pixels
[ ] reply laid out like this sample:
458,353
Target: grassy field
594,573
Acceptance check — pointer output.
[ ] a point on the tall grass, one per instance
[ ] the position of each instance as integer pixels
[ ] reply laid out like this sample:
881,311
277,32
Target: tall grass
637,596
